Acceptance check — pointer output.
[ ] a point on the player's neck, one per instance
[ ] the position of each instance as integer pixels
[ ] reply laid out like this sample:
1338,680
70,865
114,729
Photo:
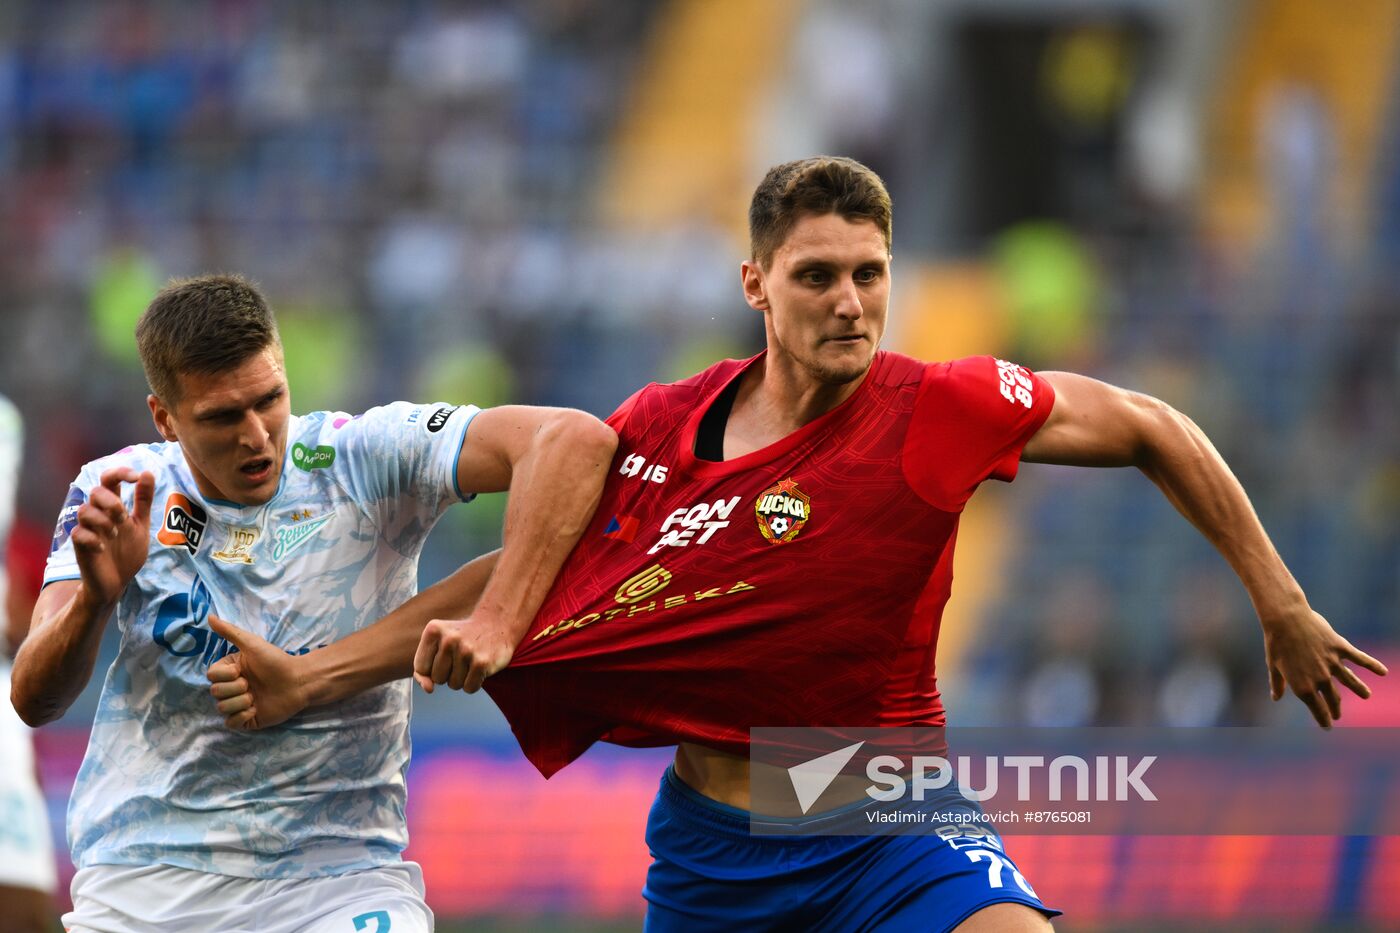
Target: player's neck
206,487
784,397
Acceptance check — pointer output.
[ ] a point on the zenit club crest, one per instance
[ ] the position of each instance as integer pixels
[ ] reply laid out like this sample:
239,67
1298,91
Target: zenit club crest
782,510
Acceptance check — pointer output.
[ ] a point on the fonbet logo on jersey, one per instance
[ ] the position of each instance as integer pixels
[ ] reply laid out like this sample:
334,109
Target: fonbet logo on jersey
703,519
782,510
184,523
636,588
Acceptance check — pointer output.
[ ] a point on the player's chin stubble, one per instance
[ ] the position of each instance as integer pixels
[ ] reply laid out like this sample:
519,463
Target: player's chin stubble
840,374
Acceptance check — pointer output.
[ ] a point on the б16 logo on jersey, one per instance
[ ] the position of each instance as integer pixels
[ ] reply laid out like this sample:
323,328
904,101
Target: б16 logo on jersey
634,463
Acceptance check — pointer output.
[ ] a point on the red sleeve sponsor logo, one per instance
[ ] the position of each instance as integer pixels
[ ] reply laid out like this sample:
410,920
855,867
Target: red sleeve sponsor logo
1015,382
782,510
184,523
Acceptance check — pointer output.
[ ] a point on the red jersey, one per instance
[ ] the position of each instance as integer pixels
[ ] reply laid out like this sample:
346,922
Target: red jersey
798,585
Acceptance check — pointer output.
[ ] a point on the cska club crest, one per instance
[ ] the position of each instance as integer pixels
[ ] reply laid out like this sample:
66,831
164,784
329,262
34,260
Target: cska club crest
782,510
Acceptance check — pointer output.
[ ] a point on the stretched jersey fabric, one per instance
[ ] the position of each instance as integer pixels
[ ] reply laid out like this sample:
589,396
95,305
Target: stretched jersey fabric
163,781
801,584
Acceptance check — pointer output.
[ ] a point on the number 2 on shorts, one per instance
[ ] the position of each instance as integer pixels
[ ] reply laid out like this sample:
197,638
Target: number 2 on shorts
380,918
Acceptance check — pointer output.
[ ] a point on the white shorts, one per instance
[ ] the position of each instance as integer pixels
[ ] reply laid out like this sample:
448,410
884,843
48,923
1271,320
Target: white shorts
26,849
159,898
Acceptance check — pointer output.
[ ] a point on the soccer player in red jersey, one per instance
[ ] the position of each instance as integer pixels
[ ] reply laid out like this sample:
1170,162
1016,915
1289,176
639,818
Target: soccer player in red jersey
774,548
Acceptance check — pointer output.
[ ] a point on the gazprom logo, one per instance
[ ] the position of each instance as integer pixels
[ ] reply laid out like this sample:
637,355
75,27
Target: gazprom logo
180,629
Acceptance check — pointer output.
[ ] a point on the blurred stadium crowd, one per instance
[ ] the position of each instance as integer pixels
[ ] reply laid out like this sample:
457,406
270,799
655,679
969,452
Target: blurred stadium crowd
1173,197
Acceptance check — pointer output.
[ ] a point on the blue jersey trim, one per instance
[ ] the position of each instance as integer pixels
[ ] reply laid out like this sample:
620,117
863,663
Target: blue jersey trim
460,443
61,579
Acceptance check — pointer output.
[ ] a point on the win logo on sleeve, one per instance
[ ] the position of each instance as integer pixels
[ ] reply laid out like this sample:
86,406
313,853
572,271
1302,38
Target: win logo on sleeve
184,523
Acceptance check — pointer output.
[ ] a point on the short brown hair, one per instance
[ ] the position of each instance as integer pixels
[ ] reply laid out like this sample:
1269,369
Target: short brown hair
206,324
819,185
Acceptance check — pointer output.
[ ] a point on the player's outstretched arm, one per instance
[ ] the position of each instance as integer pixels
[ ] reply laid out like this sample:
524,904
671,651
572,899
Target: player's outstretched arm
110,542
260,685
1094,424
554,462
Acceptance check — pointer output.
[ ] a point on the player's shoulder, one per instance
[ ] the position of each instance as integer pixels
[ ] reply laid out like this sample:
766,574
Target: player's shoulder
985,387
703,382
325,440
326,426
968,373
159,458
320,436
891,371
663,404
895,369
314,424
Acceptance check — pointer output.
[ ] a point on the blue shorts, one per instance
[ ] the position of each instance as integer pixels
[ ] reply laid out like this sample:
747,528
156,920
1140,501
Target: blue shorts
709,873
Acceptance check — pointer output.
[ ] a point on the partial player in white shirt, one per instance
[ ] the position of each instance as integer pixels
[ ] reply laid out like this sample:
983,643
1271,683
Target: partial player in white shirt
27,875
304,530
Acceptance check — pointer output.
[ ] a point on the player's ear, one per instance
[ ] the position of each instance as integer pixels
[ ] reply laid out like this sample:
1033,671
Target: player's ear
160,414
755,286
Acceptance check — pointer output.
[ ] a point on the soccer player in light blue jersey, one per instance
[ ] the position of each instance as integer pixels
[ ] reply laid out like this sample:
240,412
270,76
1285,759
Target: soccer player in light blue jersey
27,876
304,529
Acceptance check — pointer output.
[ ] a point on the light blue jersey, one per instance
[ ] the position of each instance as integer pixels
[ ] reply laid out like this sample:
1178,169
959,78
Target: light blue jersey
163,780
11,446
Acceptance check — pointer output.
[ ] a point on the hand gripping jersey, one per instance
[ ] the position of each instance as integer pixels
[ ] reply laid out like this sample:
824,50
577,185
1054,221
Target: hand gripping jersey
163,780
801,584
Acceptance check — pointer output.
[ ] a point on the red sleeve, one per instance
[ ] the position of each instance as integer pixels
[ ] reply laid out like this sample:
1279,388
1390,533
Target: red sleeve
972,418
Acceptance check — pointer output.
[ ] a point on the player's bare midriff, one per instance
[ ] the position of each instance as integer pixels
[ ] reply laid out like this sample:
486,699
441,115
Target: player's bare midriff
724,778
